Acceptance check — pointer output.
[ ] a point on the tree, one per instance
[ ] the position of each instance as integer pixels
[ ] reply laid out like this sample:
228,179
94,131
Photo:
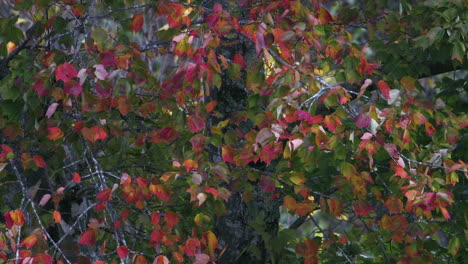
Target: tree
233,131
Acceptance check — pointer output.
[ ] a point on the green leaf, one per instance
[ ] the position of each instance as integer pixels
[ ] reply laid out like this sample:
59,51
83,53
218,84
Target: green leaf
454,246
458,51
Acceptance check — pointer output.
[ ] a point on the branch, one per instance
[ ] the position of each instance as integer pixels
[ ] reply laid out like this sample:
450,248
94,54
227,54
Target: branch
431,165
25,193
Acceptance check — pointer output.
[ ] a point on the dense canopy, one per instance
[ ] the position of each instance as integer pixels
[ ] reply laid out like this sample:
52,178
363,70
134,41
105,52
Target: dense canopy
233,131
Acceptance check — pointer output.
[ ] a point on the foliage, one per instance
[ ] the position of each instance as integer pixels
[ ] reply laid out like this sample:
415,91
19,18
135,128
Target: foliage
128,129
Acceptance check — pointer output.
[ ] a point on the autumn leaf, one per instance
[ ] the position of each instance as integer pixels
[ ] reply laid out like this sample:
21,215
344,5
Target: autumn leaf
29,241
55,133
104,195
190,165
384,89
57,217
212,242
171,218
191,246
87,238
39,161
196,123
362,120
137,22
76,177
94,133
394,205
65,72
122,251
335,206
228,152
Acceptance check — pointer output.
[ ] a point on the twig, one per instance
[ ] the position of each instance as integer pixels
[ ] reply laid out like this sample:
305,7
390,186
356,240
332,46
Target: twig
25,192
326,236
430,165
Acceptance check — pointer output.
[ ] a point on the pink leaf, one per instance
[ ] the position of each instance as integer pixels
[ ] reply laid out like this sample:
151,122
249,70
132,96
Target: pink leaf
100,72
44,199
65,72
362,120
51,110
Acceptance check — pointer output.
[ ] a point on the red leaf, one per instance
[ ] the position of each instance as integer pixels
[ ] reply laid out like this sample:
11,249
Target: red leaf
43,258
238,59
271,152
362,120
65,72
171,218
122,251
76,177
57,217
268,185
164,135
54,133
196,123
72,87
29,242
228,153
104,195
384,89
39,161
6,150
362,207
430,130
39,87
191,246
260,43
137,22
155,217
88,237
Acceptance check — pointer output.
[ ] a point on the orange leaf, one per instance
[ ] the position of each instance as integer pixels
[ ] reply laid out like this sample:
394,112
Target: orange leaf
399,171
394,205
17,217
88,237
76,177
211,106
39,161
384,89
190,165
55,133
122,251
161,259
140,260
29,242
57,217
137,22
94,133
